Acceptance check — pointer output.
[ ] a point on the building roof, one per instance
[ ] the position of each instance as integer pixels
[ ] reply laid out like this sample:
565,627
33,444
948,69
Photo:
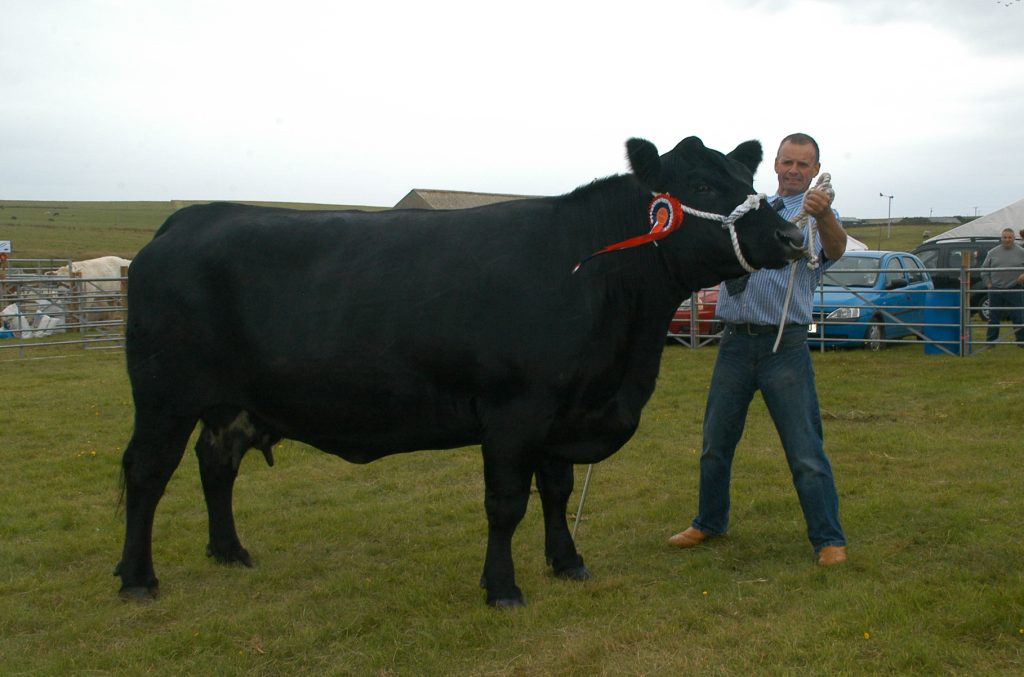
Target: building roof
422,198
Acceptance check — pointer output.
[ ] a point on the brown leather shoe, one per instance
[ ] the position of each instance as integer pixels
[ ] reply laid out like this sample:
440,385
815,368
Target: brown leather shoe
688,538
831,555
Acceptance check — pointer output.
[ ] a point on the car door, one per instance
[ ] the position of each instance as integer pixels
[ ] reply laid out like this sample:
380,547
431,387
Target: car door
896,296
918,286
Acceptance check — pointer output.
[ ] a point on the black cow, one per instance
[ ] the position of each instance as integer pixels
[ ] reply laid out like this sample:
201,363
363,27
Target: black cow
368,334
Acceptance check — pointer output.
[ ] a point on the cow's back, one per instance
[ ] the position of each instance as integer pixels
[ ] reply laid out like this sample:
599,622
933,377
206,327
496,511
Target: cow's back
322,322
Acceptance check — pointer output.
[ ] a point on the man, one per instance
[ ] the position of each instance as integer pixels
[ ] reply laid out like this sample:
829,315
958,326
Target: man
1001,273
752,309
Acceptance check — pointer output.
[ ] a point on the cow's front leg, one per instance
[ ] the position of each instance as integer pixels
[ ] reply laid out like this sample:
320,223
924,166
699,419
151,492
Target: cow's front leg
506,492
555,482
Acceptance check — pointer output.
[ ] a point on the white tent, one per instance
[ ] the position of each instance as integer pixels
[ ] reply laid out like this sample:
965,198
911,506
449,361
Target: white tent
990,225
854,245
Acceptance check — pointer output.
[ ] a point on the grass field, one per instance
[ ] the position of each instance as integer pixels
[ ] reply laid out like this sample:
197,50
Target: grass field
372,570
84,230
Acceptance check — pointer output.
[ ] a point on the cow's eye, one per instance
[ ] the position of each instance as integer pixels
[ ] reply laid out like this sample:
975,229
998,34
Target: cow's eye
703,189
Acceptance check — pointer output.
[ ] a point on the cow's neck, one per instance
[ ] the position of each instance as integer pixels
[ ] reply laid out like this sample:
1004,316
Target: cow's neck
615,209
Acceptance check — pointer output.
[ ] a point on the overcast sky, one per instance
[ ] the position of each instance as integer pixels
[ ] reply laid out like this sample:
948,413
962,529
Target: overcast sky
359,102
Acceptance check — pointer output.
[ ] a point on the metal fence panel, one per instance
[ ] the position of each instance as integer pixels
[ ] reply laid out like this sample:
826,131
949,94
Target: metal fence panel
43,313
945,321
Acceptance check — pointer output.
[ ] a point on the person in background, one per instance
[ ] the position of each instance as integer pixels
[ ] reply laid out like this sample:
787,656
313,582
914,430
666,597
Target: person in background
1002,272
752,308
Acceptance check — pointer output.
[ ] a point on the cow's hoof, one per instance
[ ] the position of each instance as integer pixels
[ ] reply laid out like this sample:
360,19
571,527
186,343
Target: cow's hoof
512,603
580,573
138,593
234,555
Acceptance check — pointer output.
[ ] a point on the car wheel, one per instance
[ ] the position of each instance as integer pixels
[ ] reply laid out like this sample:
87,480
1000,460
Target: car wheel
984,312
876,335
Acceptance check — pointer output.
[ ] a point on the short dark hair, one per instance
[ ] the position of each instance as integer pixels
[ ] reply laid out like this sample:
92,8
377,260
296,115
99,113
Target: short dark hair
801,139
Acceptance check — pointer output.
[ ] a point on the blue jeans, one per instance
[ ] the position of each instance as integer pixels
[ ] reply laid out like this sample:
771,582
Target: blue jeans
746,364
1004,304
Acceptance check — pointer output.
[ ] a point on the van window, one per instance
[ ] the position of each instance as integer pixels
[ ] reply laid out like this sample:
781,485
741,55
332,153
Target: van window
914,270
929,257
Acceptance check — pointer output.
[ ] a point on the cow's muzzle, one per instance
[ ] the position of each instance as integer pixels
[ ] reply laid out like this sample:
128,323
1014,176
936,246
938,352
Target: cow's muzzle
792,245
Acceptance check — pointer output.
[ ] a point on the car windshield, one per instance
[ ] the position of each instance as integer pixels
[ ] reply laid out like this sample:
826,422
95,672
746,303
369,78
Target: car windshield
853,271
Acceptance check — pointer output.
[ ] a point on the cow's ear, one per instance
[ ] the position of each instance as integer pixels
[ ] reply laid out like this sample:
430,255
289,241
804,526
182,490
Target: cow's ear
645,161
749,154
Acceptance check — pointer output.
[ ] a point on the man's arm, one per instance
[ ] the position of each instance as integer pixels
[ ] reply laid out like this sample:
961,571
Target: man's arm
833,236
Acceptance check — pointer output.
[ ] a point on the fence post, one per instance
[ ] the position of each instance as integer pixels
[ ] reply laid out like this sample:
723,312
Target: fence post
3,281
74,301
694,320
965,302
122,301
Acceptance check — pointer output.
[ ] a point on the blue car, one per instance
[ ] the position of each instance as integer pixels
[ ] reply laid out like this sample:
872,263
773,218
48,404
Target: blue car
869,297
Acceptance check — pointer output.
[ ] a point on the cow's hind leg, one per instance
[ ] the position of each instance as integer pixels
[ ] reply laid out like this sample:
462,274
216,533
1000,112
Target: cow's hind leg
555,482
149,460
226,436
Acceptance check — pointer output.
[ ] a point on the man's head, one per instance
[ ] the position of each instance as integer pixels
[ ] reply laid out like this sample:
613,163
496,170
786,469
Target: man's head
797,163
1006,237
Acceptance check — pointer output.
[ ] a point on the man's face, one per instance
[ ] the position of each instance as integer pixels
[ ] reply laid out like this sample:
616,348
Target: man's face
1006,238
796,166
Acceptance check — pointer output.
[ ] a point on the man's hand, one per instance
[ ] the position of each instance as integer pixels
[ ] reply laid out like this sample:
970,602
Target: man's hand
817,203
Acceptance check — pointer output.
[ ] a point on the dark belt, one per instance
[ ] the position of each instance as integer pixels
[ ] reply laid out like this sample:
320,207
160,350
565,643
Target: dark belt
754,329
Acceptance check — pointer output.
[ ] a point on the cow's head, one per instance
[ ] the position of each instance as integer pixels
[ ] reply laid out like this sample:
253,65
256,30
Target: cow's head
706,180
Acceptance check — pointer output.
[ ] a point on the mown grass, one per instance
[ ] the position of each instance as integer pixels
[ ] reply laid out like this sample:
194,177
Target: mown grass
373,569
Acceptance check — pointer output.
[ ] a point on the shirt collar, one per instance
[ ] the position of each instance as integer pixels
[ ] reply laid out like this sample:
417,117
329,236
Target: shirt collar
789,200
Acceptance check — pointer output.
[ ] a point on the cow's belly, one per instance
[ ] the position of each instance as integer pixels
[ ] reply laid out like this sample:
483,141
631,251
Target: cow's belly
362,423
594,435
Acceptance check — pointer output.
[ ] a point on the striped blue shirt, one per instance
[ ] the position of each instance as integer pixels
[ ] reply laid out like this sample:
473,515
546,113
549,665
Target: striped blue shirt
762,300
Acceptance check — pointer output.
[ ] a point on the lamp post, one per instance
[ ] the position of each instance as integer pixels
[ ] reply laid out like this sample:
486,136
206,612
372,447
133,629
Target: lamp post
889,229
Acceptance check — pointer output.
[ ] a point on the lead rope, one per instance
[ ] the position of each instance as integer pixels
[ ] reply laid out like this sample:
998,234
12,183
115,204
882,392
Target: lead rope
825,184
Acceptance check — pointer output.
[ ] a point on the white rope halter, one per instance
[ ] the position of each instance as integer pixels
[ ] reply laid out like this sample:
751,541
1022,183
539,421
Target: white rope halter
729,222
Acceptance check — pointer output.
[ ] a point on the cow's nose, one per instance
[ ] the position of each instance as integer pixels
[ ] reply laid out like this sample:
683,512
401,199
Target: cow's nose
793,243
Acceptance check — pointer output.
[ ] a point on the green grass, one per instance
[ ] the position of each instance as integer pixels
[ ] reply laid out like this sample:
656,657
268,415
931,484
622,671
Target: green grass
903,238
373,569
83,230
